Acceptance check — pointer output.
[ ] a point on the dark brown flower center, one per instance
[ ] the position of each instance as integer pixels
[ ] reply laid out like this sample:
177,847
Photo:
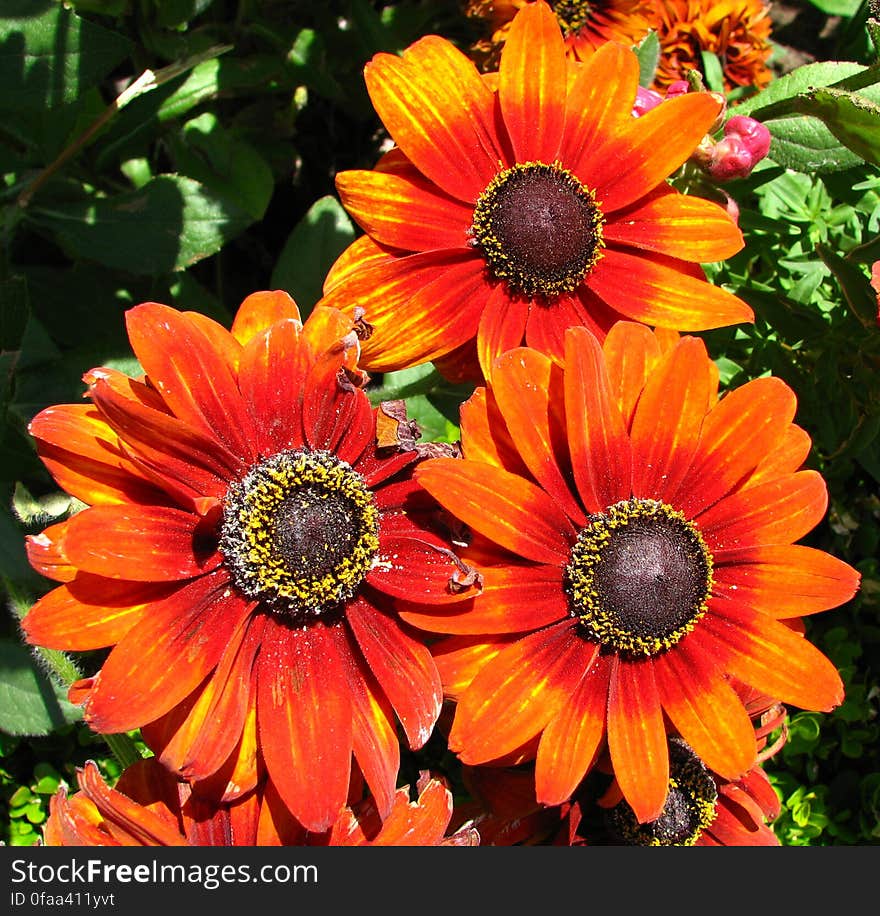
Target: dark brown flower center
539,229
690,806
300,532
639,577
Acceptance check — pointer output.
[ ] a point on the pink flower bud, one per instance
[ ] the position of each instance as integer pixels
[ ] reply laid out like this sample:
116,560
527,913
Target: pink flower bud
731,158
646,99
679,87
753,133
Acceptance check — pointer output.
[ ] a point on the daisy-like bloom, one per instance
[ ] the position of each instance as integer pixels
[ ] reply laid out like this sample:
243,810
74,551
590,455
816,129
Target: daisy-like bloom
737,31
243,543
509,214
585,25
150,807
636,538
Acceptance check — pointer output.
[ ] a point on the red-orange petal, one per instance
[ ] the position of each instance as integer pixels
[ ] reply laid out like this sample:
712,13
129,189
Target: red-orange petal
637,736
777,512
404,210
502,326
786,458
139,543
668,419
512,599
212,730
771,657
89,612
83,455
532,80
403,668
746,424
304,720
414,569
518,692
47,554
166,656
572,739
374,735
260,310
790,580
527,386
657,290
631,351
272,372
648,149
679,225
706,711
484,435
194,379
421,306
597,105
438,110
508,509
362,252
460,658
600,448
547,324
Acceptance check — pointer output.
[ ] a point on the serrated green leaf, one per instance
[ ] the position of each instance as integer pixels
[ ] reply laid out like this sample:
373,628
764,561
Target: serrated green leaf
803,142
315,243
853,118
48,54
29,703
167,225
648,53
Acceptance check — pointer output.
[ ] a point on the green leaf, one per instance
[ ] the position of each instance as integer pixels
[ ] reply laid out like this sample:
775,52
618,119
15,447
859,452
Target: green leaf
854,285
648,53
805,143
29,703
852,118
49,55
206,151
837,7
315,243
167,225
713,71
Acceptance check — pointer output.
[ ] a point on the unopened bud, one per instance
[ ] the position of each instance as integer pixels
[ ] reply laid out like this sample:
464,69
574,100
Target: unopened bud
753,133
730,159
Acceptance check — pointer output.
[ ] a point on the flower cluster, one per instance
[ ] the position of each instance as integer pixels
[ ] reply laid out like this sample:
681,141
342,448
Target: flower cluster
596,598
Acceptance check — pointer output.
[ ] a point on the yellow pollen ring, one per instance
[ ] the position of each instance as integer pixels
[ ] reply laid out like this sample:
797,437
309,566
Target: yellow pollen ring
328,567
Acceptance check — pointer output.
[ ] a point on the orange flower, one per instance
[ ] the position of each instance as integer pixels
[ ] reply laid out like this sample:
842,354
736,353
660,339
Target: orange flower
636,538
511,214
585,25
244,542
150,807
737,31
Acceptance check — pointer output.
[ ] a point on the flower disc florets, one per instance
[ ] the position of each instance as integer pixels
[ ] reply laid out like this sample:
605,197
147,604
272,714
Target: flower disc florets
539,229
689,809
300,532
639,577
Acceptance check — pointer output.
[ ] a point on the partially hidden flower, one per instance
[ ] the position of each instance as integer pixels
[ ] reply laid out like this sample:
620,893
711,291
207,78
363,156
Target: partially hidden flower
512,209
745,142
737,32
242,545
875,285
635,534
149,806
701,809
584,25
